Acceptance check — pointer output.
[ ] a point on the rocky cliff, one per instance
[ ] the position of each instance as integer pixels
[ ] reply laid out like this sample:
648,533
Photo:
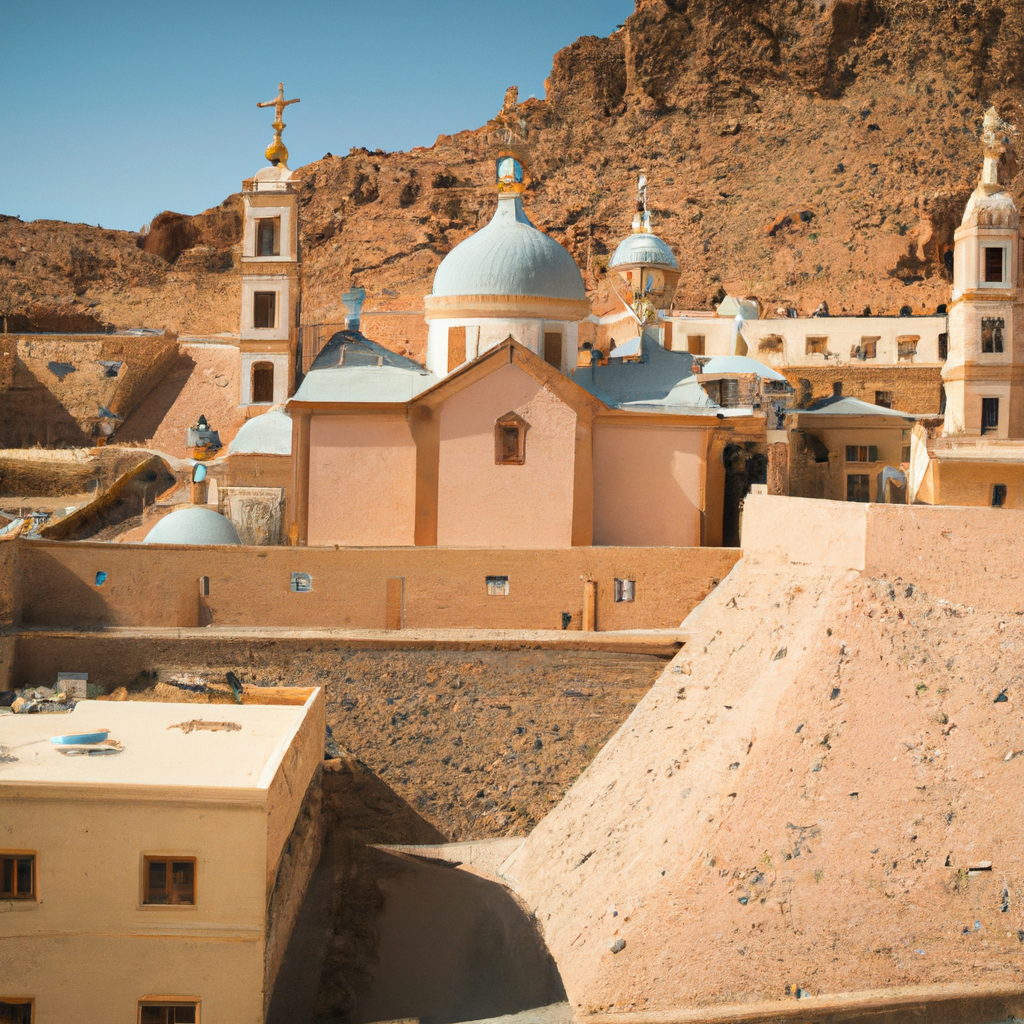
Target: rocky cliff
797,151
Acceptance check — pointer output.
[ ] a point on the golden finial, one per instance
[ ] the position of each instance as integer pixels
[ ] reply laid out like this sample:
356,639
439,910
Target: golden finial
277,152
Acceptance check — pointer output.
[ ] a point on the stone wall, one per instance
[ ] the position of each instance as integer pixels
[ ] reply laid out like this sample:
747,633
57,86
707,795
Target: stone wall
10,607
916,389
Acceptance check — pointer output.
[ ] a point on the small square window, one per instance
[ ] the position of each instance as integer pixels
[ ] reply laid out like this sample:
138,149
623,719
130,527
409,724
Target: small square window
817,346
625,590
510,440
15,1011
992,328
17,876
695,344
169,1013
302,582
885,399
993,264
906,347
497,586
169,881
869,347
998,495
858,487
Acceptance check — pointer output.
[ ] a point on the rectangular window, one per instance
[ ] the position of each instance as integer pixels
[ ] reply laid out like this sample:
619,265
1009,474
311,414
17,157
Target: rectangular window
625,590
906,347
264,309
168,1013
497,586
695,344
885,399
993,264
869,348
943,347
861,453
15,1011
858,487
169,881
553,349
817,346
17,876
268,237
992,328
989,415
204,586
302,583
998,495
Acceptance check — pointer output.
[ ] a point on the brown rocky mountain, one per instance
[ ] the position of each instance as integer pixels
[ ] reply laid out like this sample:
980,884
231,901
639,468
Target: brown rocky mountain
796,151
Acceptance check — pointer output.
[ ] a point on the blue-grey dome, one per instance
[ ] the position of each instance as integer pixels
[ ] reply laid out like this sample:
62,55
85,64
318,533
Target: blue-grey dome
509,257
193,525
643,247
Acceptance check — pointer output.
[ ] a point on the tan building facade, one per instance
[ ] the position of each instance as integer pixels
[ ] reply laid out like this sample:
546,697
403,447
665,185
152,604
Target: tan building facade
161,877
504,453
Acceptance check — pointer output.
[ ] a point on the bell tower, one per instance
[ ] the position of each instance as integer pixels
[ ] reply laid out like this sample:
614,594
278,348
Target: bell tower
984,371
270,275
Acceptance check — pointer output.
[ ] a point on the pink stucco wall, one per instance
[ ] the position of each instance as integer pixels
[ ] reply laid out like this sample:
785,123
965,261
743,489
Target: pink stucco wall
481,504
647,484
362,480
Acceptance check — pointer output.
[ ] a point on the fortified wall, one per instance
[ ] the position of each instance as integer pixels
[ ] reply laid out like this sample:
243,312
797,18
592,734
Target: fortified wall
84,585
813,813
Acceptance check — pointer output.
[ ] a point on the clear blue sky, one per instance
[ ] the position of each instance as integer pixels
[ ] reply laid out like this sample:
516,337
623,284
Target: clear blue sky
117,110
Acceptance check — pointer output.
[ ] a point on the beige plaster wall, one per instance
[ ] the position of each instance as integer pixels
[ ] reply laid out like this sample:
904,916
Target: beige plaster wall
647,484
88,950
157,585
970,483
481,504
888,438
362,480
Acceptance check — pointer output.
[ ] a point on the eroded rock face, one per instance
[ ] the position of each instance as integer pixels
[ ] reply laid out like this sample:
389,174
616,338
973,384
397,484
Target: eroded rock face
864,113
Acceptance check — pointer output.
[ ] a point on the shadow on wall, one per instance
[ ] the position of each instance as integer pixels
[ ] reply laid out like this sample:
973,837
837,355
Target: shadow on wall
381,937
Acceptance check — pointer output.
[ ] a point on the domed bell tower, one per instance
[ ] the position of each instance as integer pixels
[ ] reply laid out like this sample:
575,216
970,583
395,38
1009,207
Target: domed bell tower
984,371
270,276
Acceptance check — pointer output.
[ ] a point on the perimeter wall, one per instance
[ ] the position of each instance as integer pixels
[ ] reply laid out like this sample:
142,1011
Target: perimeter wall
92,584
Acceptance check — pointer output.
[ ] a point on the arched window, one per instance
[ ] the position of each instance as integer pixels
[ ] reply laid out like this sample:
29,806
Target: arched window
510,440
262,383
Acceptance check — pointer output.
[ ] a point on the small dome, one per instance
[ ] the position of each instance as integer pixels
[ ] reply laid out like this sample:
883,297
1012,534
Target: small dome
267,434
193,525
509,257
991,210
644,248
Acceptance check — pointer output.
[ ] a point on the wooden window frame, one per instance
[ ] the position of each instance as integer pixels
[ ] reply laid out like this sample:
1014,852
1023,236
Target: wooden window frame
275,243
169,859
624,590
866,477
261,365
867,450
988,270
28,1001
166,1002
256,296
995,326
16,855
510,421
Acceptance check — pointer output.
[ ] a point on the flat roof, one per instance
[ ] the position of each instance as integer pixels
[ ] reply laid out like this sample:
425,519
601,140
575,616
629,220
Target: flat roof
155,753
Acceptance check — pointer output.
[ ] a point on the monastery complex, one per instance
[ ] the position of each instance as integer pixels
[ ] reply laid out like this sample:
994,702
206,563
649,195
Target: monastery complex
640,665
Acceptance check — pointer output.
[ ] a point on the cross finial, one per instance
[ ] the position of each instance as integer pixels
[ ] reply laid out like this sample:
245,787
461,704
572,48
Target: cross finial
277,153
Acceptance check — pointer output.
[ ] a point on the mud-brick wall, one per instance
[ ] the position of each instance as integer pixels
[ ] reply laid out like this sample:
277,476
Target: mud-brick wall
916,389
157,585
